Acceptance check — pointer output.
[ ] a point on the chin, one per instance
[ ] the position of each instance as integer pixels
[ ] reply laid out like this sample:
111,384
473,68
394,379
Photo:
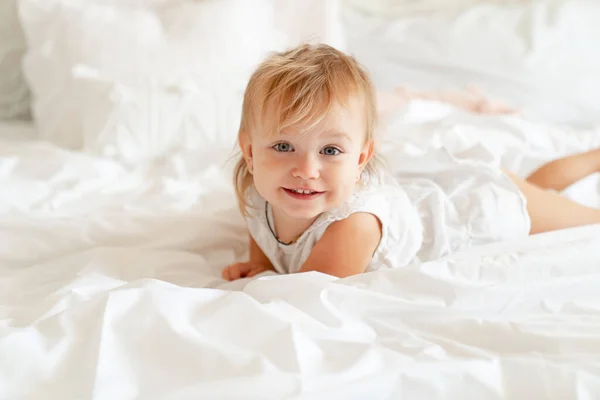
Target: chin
303,213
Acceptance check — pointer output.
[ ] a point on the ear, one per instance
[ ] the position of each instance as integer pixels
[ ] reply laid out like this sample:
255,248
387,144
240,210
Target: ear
366,154
246,148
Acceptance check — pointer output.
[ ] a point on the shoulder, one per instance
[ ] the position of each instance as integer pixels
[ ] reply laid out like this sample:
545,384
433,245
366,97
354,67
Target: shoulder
347,246
380,212
358,224
352,233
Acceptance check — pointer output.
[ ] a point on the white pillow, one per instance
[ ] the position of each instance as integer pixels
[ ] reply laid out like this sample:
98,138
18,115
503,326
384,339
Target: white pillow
541,56
14,94
137,80
150,117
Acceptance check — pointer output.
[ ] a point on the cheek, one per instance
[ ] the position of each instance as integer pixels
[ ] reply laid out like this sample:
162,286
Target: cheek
350,168
267,158
345,174
267,169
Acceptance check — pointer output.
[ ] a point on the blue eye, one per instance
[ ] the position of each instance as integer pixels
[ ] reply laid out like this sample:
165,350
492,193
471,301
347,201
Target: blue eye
283,147
331,151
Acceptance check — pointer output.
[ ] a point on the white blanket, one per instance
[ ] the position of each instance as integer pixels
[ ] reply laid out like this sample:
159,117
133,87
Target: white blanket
110,288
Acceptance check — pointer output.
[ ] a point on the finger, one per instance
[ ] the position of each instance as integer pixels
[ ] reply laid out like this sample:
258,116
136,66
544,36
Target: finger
243,269
253,272
226,274
231,272
236,272
240,270
257,270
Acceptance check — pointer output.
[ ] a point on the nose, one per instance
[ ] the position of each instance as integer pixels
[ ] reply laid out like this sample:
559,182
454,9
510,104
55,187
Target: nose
306,167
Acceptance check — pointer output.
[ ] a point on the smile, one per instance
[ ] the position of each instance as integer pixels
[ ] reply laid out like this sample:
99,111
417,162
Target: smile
302,193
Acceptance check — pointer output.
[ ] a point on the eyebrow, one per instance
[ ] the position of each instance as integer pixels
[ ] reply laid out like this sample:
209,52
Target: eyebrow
328,133
339,134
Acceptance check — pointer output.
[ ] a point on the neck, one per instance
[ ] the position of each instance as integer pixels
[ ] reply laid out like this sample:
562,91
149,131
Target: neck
289,229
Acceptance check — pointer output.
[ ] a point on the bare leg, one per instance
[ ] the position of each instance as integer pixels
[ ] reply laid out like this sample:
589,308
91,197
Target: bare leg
563,172
550,211
471,100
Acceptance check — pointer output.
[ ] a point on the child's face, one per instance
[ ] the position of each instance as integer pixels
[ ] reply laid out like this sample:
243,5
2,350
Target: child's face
323,164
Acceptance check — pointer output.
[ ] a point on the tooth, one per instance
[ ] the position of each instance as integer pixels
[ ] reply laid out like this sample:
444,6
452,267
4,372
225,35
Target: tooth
303,191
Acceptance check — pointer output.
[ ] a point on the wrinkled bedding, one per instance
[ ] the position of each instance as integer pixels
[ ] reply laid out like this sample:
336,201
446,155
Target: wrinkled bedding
110,287
110,272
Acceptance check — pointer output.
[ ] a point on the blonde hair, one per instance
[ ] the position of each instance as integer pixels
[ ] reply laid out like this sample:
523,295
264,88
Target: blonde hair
297,88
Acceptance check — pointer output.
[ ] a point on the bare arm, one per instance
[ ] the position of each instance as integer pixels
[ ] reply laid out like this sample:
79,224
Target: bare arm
258,263
346,247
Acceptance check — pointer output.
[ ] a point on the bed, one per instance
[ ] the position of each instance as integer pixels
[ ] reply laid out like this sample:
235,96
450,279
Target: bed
110,260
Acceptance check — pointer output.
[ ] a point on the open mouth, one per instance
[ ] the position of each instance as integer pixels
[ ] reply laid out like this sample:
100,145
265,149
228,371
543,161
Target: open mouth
302,193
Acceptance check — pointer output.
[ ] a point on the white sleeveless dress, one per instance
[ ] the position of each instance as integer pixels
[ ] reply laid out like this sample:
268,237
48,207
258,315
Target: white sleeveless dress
429,206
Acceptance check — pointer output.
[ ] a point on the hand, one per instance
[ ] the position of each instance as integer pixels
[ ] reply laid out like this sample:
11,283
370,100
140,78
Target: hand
243,270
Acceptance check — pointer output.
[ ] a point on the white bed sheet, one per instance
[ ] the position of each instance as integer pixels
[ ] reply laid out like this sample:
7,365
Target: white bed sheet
110,288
